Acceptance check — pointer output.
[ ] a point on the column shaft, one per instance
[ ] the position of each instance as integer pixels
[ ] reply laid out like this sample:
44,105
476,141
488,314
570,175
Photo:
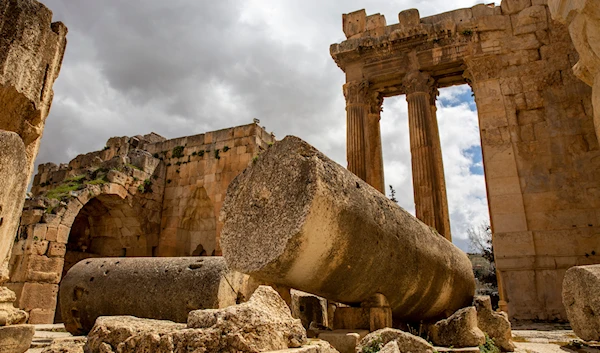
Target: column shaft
431,203
374,150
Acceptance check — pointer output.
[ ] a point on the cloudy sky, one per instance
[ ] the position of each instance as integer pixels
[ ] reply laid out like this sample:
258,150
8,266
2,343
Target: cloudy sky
183,67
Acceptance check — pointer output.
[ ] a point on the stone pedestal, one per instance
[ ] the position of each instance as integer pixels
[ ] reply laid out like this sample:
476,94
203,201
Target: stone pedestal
431,204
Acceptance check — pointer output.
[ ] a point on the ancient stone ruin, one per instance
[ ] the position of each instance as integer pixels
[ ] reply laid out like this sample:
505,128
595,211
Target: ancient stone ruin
31,52
139,196
126,232
539,145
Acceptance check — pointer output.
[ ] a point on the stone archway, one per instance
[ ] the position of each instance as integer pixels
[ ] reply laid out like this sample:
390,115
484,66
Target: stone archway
99,220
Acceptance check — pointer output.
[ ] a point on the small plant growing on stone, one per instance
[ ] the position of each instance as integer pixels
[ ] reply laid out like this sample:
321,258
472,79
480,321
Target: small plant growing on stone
145,187
393,194
178,164
194,153
270,144
217,154
467,32
374,346
489,346
201,153
105,148
169,181
254,159
177,152
169,164
226,148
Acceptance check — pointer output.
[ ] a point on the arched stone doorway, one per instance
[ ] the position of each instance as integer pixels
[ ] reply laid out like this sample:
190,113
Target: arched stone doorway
99,220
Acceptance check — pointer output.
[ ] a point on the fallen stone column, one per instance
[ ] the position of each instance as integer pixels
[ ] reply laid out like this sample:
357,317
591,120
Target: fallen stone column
582,302
297,218
153,288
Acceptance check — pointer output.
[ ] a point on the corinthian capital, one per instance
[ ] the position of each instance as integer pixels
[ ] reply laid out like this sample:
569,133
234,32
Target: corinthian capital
418,81
356,92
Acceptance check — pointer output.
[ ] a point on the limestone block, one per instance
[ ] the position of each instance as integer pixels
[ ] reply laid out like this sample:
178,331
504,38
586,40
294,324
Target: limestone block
581,286
103,286
342,340
354,23
405,341
13,184
57,249
529,20
409,19
495,324
459,330
510,7
312,221
264,323
309,308
38,296
41,316
16,338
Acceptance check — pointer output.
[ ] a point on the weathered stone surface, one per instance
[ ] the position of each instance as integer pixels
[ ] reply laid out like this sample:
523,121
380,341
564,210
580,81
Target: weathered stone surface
390,347
66,345
309,308
313,346
263,323
9,315
16,338
342,340
13,184
580,296
405,341
459,330
156,288
495,324
583,19
31,54
307,227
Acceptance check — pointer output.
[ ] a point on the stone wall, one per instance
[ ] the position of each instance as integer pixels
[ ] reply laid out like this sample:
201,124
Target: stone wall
540,150
139,196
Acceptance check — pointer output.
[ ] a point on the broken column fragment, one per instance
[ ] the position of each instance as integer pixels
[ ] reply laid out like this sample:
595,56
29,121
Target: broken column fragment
297,218
31,53
154,288
580,297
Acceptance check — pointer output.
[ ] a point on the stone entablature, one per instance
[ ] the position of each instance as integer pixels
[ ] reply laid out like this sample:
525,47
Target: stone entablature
540,149
139,196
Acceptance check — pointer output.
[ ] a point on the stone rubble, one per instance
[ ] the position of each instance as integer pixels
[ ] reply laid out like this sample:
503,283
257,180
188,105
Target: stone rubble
263,323
406,342
459,330
495,324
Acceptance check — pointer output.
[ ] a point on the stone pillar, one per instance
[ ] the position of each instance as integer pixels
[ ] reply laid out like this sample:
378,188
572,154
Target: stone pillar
428,171
356,118
363,139
373,143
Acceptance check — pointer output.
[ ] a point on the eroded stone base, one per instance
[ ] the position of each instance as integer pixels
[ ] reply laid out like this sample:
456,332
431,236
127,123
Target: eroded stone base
16,338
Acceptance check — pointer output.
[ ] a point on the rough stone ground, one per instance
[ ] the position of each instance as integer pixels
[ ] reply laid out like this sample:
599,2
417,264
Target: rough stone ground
528,338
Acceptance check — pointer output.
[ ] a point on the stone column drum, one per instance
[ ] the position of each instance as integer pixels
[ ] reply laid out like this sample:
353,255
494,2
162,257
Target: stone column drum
297,218
154,288
428,171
